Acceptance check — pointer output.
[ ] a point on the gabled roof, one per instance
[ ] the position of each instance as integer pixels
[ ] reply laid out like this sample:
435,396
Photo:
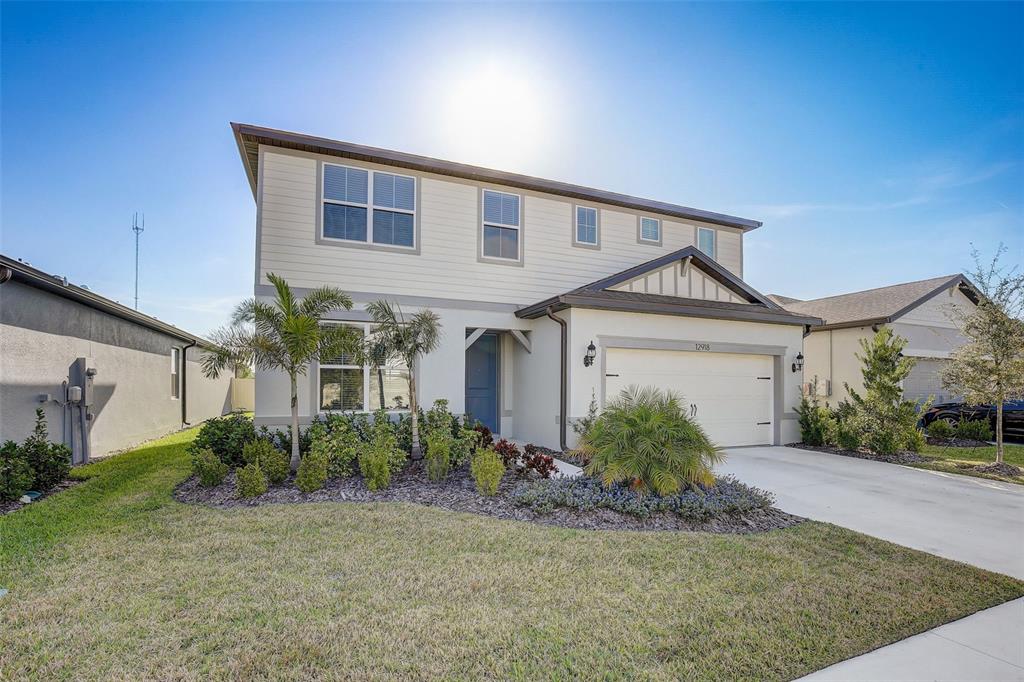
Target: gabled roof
599,294
250,137
783,300
882,305
55,284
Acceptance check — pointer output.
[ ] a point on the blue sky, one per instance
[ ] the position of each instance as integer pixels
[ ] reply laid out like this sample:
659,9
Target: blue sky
875,141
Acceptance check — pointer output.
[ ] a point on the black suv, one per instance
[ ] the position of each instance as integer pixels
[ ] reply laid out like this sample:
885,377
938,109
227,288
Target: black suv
1013,415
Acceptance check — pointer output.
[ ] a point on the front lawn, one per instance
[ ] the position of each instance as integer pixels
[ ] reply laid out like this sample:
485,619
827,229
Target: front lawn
962,460
115,579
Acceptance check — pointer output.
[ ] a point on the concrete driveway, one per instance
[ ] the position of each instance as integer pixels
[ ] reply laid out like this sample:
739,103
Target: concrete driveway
975,521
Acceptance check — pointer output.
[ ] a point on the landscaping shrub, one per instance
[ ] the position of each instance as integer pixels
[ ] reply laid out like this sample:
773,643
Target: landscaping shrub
916,440
338,442
727,496
645,440
49,462
403,428
486,438
381,457
449,432
487,471
208,468
312,473
282,438
941,429
846,435
250,481
974,430
15,473
276,465
225,436
816,421
508,452
256,451
582,425
439,454
540,462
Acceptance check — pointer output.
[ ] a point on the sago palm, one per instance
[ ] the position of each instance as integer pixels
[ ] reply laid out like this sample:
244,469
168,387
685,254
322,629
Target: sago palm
645,440
395,337
283,335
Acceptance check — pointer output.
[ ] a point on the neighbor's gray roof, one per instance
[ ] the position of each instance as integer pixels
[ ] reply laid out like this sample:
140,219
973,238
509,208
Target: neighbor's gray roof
878,306
12,269
782,300
250,137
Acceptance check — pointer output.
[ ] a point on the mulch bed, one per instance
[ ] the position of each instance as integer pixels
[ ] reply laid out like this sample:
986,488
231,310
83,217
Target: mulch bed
14,505
956,442
998,469
898,458
458,493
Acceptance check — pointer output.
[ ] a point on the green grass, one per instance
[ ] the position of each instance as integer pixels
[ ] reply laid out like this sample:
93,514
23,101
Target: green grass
959,460
113,579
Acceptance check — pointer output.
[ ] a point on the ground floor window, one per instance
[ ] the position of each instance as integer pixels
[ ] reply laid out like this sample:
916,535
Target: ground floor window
349,387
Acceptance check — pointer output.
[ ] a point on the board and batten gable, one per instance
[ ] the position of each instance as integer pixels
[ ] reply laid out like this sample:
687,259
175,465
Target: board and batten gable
445,262
677,279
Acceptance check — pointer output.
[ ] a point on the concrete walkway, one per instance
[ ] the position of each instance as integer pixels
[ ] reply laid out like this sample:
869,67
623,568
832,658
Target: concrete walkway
975,521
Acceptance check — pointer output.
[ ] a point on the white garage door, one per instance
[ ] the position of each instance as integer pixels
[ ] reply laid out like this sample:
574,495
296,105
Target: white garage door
729,394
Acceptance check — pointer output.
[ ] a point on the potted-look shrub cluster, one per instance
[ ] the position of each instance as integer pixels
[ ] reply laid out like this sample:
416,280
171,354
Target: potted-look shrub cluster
33,467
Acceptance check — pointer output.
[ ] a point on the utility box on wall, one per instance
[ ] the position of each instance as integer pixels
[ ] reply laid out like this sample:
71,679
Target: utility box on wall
80,400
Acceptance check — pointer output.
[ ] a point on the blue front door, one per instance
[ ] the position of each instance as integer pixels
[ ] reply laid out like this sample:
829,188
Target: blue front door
482,381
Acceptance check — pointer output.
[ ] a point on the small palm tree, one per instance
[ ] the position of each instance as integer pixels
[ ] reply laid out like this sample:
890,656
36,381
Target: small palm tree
644,439
283,335
405,340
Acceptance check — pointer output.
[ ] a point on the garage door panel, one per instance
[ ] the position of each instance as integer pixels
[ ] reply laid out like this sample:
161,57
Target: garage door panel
732,392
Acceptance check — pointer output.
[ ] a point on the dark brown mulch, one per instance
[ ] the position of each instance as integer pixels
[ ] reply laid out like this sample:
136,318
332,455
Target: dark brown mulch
999,469
458,493
956,442
898,458
14,505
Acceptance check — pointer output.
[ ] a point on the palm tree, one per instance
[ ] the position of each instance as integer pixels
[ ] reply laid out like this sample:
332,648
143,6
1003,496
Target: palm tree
394,337
283,335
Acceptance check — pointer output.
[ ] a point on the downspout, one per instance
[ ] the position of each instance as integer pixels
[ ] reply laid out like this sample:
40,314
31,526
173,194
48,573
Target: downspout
184,382
564,387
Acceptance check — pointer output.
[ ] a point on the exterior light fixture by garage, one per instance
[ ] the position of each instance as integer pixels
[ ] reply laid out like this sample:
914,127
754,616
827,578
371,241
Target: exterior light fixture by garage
588,359
799,363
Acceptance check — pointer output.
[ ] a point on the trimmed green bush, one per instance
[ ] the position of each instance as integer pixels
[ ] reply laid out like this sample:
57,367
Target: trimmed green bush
915,440
645,440
226,436
974,429
337,441
257,451
846,435
312,473
941,429
15,473
208,468
439,454
373,464
50,462
250,481
816,421
487,471
276,465
381,457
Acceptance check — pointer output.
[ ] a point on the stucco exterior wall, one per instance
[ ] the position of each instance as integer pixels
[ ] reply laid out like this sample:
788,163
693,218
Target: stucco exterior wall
830,355
41,334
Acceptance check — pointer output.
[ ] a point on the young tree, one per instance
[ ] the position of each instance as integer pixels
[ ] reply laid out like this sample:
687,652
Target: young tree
989,368
283,335
406,340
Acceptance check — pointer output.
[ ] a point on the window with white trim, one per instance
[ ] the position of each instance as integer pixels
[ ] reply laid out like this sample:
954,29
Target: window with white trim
586,225
175,373
501,225
344,386
706,240
350,195
650,229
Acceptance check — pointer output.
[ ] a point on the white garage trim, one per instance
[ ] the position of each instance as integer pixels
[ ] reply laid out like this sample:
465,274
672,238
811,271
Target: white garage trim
776,352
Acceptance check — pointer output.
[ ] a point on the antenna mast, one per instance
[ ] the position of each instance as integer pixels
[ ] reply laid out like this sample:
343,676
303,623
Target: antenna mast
137,229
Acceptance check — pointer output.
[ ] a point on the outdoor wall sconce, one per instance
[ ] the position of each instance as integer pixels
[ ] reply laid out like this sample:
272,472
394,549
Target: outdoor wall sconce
799,363
588,359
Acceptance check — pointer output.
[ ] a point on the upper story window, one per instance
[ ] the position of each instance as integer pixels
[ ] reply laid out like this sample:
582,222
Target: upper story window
347,206
586,226
706,241
501,225
650,230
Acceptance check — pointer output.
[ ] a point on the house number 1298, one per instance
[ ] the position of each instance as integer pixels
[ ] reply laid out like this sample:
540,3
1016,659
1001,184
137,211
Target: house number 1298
703,346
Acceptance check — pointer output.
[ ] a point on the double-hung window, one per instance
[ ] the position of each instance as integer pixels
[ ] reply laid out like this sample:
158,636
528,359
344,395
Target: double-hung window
706,240
586,226
344,386
501,225
650,230
368,207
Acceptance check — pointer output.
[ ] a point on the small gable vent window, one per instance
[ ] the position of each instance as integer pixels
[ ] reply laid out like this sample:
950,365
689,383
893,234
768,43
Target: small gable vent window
501,225
650,230
347,205
706,241
586,225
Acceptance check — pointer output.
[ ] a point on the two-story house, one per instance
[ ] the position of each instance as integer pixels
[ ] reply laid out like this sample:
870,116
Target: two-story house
550,294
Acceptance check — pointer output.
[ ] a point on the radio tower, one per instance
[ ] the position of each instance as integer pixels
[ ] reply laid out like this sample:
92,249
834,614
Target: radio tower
137,229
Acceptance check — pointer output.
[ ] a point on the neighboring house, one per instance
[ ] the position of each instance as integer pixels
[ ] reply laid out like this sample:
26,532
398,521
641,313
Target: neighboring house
921,312
529,277
145,379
